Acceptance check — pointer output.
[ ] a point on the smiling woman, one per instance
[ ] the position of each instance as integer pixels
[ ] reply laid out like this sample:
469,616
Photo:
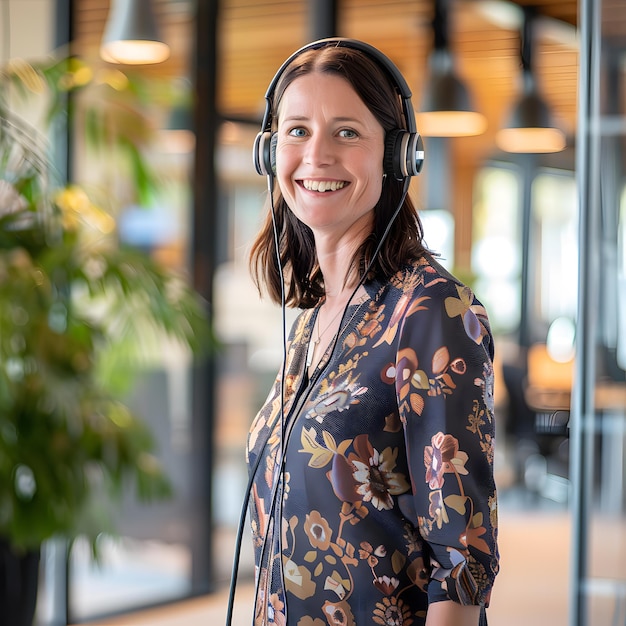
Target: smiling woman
371,464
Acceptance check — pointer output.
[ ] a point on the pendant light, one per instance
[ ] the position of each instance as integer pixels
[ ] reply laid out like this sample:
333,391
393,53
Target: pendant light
530,128
447,109
131,34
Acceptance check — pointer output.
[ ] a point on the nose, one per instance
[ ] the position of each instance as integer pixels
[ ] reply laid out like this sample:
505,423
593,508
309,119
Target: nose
319,150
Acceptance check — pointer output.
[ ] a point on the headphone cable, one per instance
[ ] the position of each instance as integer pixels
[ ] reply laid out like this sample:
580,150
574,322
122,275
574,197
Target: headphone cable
253,472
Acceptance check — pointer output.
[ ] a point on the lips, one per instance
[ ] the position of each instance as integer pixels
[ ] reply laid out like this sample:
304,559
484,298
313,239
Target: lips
323,186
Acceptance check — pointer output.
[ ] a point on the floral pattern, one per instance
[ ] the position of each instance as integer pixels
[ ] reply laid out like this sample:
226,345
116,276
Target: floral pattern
385,500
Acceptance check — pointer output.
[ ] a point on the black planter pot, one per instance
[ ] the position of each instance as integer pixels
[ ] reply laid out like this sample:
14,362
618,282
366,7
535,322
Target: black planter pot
19,578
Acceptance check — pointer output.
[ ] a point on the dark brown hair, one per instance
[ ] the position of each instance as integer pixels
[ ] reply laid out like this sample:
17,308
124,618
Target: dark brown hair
304,283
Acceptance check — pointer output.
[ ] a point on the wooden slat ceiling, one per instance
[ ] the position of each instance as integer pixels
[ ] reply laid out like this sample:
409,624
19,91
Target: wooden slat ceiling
256,36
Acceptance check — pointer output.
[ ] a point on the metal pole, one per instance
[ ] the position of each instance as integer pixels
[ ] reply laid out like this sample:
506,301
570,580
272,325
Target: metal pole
56,551
204,261
582,416
63,37
527,164
323,19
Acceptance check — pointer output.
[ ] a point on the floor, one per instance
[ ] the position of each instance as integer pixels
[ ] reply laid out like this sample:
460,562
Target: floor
532,586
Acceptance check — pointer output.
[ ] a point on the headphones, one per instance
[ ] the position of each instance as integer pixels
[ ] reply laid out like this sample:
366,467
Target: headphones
404,149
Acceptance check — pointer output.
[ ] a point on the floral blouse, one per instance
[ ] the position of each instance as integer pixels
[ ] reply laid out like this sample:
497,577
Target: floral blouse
379,497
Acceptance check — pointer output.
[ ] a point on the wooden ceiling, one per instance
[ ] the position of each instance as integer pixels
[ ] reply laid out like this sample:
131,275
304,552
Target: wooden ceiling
255,36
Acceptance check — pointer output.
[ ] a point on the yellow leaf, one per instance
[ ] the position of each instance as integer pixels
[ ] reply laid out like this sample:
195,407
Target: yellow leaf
320,456
420,379
343,446
454,307
477,520
457,503
310,556
397,562
329,440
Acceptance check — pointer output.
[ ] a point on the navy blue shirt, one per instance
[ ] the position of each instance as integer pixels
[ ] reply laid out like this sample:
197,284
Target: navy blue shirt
379,498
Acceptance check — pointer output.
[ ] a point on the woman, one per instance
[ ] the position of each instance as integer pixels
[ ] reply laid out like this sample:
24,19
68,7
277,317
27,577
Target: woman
373,500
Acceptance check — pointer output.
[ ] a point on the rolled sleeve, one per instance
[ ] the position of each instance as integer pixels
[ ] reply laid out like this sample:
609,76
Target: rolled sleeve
445,391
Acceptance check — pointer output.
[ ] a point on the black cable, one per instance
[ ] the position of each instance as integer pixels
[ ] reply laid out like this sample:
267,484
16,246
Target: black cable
252,473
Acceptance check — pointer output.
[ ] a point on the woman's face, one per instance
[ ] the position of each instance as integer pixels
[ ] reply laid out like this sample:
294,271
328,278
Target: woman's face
329,155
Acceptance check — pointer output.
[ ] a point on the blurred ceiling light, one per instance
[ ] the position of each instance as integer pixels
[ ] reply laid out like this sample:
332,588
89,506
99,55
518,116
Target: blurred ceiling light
501,13
131,34
447,109
530,128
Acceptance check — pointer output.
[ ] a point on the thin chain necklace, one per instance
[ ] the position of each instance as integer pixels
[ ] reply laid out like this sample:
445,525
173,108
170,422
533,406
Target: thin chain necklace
313,343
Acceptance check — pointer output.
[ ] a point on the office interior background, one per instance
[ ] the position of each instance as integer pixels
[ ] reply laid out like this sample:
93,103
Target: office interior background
539,233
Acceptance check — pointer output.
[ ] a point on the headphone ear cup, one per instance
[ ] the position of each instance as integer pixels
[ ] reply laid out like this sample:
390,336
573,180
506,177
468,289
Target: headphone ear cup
415,155
262,153
273,144
404,153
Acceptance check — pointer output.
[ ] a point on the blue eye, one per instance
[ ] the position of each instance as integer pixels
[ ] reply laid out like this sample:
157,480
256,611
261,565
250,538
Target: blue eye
297,132
347,133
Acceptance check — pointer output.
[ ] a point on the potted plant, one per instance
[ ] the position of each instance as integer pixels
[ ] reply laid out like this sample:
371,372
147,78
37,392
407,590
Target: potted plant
70,293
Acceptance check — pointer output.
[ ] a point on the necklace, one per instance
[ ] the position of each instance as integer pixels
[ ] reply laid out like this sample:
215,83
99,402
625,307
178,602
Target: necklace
321,332
313,343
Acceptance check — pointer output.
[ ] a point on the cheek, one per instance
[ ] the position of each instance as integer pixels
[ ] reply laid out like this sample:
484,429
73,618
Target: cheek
285,162
285,165
374,183
371,166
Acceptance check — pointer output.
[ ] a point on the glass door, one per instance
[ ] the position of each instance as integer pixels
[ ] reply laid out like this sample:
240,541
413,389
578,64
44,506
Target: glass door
598,421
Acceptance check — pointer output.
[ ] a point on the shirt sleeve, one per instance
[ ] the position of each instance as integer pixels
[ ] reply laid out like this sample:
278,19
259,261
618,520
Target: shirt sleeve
444,386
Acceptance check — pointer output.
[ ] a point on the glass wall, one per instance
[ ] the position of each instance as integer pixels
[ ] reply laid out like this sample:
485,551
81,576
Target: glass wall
541,366
598,425
249,331
151,557
497,246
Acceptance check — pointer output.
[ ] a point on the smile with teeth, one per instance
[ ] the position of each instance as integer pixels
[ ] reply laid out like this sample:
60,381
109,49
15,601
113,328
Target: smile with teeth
323,185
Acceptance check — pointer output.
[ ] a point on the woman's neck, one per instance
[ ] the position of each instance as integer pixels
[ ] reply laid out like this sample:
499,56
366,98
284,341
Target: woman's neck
336,264
335,254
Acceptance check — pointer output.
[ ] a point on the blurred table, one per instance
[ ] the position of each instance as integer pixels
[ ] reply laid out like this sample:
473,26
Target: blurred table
548,394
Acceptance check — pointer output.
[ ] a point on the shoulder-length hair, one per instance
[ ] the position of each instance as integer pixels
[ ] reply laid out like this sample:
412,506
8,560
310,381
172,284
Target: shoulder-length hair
304,283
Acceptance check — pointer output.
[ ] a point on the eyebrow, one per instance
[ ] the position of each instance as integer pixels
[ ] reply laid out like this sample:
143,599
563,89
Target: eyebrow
304,118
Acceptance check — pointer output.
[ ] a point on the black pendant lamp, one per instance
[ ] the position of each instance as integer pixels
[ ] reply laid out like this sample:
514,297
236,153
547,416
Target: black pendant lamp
131,34
530,127
447,109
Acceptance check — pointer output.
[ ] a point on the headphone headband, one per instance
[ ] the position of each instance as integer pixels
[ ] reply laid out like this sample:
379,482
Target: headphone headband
399,162
384,62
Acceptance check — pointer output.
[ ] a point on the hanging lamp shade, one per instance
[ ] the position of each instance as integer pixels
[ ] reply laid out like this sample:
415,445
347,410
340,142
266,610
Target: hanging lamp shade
447,109
530,127
131,34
